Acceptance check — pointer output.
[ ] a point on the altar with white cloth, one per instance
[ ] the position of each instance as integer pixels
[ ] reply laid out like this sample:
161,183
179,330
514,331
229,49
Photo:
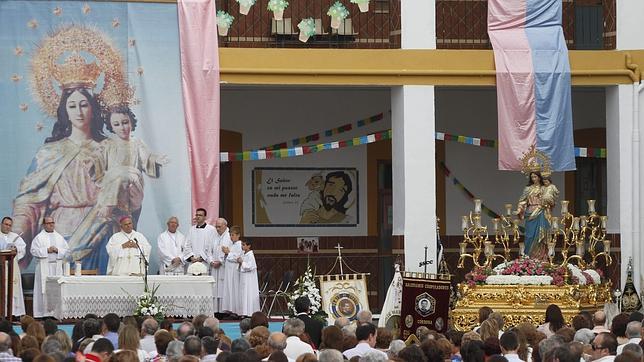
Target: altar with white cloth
74,297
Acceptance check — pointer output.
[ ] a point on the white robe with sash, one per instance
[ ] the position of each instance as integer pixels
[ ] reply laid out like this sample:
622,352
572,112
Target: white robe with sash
171,245
47,264
7,240
126,261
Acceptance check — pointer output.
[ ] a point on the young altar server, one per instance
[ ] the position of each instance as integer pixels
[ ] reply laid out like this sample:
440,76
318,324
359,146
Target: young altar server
50,249
248,284
230,297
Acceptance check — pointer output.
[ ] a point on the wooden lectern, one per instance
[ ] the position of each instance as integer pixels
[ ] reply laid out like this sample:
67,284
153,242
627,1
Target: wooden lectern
6,283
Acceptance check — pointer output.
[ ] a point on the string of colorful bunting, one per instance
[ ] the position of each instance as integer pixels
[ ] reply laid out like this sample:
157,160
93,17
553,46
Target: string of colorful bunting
489,212
595,152
303,150
328,133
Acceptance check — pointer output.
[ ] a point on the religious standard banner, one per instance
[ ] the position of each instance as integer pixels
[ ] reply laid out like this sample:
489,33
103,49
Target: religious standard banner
390,313
532,80
343,295
425,302
305,197
92,121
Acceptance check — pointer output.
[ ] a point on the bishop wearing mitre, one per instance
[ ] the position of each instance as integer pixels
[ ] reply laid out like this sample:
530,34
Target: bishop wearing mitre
124,249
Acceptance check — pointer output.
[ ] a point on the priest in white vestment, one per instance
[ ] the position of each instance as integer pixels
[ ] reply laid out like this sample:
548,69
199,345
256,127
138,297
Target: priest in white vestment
49,249
12,241
248,283
123,250
171,244
199,245
230,297
218,265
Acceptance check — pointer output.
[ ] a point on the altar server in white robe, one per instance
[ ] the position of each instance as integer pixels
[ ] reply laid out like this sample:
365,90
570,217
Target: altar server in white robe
171,244
230,297
218,265
50,249
123,250
12,241
248,284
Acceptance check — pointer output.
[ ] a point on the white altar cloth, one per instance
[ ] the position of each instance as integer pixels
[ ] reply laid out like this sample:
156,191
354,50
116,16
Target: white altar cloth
74,297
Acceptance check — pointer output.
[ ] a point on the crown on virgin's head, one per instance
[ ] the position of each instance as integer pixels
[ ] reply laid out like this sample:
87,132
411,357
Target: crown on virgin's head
76,72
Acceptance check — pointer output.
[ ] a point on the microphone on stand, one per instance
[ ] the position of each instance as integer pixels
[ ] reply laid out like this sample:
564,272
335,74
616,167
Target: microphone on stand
145,262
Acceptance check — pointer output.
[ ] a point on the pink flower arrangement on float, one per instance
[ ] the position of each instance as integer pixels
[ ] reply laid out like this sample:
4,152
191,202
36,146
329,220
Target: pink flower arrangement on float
477,276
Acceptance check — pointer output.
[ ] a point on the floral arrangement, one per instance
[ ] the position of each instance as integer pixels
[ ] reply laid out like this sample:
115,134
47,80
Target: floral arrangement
277,5
528,271
244,5
224,19
148,305
307,28
305,286
338,11
477,276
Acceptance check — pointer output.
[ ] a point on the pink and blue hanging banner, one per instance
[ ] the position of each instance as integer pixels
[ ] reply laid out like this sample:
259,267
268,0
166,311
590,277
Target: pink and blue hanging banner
533,81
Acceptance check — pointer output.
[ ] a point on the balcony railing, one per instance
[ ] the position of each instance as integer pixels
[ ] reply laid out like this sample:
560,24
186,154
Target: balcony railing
587,24
460,24
377,28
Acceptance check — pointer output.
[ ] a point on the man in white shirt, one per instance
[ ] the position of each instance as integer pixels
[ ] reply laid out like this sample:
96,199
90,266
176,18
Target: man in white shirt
366,335
604,347
633,333
294,328
12,241
509,346
171,244
124,249
221,248
148,328
49,248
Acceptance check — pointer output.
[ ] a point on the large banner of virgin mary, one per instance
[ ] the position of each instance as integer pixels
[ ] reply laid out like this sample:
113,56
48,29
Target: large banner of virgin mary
91,121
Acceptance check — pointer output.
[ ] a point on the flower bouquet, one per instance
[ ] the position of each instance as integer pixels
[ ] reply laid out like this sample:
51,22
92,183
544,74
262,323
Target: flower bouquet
305,286
307,29
337,12
148,305
277,7
224,21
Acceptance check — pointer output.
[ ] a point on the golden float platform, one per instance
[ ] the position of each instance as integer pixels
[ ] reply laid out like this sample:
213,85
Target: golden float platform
526,303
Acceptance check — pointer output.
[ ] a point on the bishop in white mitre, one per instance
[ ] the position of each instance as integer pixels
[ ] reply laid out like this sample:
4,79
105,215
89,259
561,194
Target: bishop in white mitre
123,250
50,249
218,265
171,244
12,241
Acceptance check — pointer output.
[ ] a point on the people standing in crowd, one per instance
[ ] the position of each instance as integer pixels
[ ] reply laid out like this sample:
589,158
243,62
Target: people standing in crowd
311,326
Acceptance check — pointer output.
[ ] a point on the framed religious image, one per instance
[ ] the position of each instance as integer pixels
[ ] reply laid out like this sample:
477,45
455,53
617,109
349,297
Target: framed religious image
308,245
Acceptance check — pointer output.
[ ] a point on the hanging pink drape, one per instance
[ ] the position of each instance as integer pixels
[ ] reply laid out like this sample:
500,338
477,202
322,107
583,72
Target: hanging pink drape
200,81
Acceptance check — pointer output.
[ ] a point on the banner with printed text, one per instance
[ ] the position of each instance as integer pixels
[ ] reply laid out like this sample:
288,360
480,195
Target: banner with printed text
305,197
425,302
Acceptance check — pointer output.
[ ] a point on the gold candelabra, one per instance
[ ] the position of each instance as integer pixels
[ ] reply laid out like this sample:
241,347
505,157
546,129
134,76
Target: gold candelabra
476,235
583,233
